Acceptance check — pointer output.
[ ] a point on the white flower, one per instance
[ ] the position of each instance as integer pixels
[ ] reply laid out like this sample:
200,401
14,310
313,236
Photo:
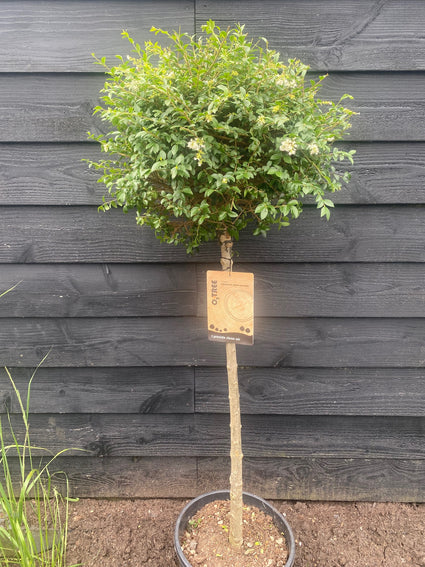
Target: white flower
261,120
289,146
133,86
192,144
313,148
196,144
283,81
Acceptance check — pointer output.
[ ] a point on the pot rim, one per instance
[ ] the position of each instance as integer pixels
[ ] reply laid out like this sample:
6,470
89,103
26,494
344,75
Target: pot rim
197,503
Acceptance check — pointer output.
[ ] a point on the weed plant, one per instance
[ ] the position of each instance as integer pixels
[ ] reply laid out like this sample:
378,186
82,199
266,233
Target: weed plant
33,513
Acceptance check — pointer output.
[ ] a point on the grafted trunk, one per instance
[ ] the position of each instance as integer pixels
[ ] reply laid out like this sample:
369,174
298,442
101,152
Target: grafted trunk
236,455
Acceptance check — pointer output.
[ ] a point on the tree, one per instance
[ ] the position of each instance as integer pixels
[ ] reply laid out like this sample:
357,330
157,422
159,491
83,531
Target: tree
212,135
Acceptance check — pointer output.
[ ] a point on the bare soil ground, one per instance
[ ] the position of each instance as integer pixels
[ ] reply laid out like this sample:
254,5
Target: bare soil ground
135,533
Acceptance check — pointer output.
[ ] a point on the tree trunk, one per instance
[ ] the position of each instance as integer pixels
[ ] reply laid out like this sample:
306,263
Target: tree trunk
236,456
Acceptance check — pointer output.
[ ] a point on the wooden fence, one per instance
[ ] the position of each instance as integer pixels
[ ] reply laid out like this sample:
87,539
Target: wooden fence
333,391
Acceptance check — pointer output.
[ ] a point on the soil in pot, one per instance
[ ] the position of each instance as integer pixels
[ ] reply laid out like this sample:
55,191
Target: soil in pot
206,540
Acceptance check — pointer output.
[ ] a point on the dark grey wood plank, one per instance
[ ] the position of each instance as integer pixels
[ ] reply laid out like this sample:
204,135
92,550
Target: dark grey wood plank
116,342
83,235
320,436
53,174
49,107
49,174
100,390
62,109
315,391
389,104
89,236
331,34
151,435
61,36
382,234
327,478
343,342
281,290
385,173
72,290
182,341
396,480
339,290
122,477
283,391
344,35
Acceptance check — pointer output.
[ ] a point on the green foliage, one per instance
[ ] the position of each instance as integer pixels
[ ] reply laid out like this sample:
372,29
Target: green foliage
33,513
214,134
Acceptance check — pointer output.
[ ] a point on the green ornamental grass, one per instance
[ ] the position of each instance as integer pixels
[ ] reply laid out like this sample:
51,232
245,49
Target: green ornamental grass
213,134
33,512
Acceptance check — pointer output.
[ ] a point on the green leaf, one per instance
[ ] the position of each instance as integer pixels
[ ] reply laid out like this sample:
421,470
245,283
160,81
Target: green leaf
325,212
262,210
264,213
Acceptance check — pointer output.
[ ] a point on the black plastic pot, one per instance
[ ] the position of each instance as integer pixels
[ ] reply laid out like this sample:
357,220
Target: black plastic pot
250,500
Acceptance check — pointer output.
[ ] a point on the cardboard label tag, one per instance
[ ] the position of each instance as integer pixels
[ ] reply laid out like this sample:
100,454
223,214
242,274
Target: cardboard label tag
230,299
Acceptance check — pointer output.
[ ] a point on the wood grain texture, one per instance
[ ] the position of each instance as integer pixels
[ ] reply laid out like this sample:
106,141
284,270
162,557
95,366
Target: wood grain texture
147,341
390,105
49,174
340,289
348,34
182,341
145,290
331,34
385,173
344,342
83,235
325,478
315,391
181,435
53,36
123,477
99,290
49,107
298,478
100,390
277,391
53,174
